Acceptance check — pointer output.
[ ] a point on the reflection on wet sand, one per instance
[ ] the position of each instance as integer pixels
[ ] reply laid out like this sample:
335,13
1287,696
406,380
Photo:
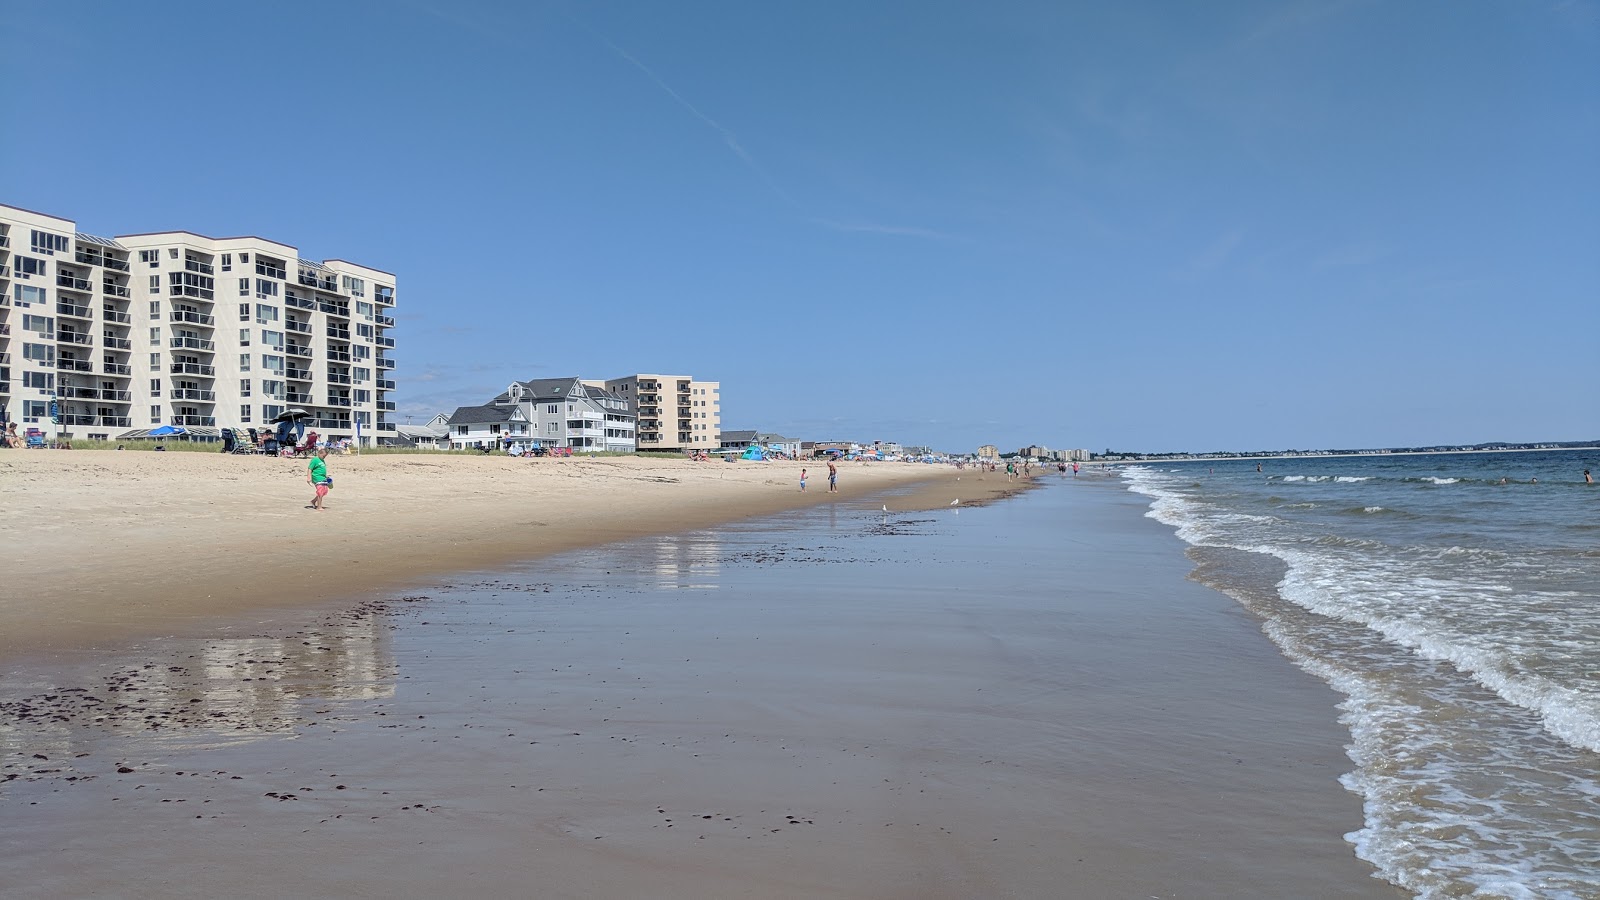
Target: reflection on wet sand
191,693
685,561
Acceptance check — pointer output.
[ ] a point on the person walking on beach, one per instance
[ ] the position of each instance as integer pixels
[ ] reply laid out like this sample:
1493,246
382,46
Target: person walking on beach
317,477
802,481
833,478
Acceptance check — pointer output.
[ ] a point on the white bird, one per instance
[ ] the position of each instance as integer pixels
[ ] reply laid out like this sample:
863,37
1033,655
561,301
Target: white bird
886,507
955,501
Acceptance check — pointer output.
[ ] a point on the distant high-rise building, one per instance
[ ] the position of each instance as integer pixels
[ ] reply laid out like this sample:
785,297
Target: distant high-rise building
674,412
175,328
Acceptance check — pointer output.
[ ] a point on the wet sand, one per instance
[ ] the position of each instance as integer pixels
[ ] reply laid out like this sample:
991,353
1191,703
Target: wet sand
1022,700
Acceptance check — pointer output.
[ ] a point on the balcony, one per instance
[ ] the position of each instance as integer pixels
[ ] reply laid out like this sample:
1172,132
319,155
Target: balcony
386,342
297,374
385,362
302,399
193,318
74,311
195,265
385,321
342,334
4,328
74,284
112,289
5,359
300,350
112,342
386,405
95,259
189,290
384,299
74,337
385,384
327,423
386,426
111,316
297,327
338,401
192,369
339,355
5,271
334,309
299,303
192,343
116,421
338,379
194,420
192,394
80,420
112,368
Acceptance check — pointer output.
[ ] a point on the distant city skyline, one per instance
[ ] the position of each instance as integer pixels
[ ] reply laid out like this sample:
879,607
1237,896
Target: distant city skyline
1254,224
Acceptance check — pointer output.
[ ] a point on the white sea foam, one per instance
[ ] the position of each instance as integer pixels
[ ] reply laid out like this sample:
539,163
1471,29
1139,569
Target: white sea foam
1351,479
1372,509
1437,480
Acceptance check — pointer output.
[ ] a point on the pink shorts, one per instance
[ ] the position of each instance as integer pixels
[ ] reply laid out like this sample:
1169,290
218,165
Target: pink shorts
322,490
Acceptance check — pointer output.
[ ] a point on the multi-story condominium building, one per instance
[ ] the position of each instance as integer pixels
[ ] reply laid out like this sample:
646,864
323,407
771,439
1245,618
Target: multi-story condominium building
554,412
675,412
175,328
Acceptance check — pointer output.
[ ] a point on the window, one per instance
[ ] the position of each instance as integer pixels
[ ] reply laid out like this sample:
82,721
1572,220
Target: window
244,413
244,291
42,325
273,389
272,363
272,268
273,339
360,374
265,289
551,408
27,266
268,413
45,353
244,258
364,310
550,428
155,284
155,335
42,381
155,387
355,287
153,257
360,351
363,331
265,313
48,244
244,362
155,360
227,265
244,337
34,410
172,252
244,312
360,396
155,414
155,309
385,294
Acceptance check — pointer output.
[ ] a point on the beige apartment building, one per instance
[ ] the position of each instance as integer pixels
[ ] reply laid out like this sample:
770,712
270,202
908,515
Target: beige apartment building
176,328
674,412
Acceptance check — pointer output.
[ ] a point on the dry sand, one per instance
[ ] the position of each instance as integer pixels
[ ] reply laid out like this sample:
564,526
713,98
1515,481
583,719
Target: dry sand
107,546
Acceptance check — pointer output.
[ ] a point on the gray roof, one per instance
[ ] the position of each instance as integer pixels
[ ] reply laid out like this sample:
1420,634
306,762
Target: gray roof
764,437
481,415
103,242
543,390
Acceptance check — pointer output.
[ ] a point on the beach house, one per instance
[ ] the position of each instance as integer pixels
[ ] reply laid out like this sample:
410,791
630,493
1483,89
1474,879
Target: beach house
571,412
489,428
740,439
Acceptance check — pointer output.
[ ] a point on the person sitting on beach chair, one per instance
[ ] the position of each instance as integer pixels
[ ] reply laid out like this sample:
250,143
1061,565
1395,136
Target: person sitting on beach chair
309,445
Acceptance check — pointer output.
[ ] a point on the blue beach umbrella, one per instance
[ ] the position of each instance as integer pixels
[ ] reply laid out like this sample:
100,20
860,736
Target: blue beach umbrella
167,431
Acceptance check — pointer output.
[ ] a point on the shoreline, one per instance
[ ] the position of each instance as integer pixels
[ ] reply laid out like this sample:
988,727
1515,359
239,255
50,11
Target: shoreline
716,713
111,547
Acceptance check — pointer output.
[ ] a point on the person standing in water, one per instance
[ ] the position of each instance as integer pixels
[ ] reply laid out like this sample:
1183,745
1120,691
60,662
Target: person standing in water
1587,478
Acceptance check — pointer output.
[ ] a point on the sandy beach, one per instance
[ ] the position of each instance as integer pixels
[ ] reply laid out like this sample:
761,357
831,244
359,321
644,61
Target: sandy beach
107,546
829,701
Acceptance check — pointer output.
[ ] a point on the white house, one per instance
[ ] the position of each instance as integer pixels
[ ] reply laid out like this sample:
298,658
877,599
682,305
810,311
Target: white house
489,428
567,412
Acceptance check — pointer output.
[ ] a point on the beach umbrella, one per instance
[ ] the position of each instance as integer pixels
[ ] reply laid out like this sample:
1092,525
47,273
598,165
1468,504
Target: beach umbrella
167,431
292,414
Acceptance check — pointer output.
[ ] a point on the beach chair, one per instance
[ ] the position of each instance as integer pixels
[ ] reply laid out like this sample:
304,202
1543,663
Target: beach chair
309,445
244,441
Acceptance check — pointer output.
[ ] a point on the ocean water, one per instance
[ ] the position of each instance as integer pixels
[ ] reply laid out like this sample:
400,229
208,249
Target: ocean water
1460,618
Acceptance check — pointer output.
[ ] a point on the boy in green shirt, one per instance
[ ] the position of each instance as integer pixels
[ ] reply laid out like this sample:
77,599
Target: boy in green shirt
317,477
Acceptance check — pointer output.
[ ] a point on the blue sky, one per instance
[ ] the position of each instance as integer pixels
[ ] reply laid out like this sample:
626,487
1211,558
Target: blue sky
1164,226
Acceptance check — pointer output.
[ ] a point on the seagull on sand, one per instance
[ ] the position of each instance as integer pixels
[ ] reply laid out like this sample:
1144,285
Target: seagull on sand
955,501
